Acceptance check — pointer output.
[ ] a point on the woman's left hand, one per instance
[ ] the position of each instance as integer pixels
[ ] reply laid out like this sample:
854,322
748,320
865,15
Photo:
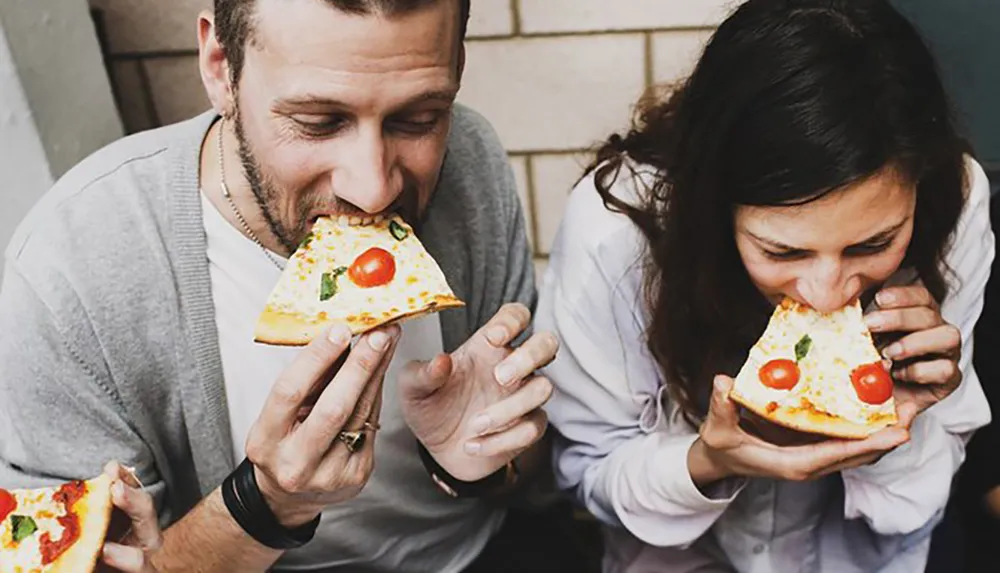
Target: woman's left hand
925,359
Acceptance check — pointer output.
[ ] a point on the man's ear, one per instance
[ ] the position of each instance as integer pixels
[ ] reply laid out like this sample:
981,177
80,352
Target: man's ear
213,65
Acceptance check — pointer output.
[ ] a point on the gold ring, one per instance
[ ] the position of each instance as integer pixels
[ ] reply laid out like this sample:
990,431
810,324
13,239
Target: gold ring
353,440
373,426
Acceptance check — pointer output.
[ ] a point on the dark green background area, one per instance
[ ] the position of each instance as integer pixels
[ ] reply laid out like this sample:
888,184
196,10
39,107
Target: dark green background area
965,38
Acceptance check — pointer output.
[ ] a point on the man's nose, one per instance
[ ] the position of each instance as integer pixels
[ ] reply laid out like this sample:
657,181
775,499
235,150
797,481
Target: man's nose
368,179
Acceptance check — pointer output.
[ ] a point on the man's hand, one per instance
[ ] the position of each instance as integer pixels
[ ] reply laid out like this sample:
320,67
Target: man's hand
131,553
301,464
480,407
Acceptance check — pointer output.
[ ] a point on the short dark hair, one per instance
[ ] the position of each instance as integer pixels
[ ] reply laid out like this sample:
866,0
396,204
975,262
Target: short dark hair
791,100
234,21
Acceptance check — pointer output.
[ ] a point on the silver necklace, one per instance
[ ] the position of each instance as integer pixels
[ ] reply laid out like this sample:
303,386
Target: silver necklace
232,204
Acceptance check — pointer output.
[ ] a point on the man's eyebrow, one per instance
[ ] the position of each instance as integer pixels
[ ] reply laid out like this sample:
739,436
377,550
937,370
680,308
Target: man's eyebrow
317,101
877,237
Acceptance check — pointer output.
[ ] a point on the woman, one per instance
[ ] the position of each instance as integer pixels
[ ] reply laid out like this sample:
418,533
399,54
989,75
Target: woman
811,154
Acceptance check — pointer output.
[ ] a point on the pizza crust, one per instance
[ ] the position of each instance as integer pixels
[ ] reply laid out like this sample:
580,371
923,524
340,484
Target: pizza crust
284,329
94,510
810,420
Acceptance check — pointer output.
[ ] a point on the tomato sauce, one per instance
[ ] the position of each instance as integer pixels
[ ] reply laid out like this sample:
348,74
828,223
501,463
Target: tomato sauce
7,504
68,495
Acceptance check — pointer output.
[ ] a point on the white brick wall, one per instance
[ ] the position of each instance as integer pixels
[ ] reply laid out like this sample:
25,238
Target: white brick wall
554,76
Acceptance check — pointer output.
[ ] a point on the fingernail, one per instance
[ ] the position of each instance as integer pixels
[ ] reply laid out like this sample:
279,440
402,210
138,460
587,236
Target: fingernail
892,351
720,384
496,335
505,374
884,298
874,321
378,340
472,448
481,423
118,489
339,334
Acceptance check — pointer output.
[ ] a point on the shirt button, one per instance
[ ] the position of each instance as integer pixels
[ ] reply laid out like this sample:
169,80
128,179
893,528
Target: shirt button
759,548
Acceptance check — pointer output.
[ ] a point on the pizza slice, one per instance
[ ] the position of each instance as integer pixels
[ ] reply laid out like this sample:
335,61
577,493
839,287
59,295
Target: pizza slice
56,529
362,275
818,373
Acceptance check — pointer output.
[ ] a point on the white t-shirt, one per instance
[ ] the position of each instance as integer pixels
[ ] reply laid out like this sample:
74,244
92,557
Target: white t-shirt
242,278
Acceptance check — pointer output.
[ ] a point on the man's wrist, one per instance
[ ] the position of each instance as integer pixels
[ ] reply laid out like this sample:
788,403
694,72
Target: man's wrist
288,513
494,483
247,505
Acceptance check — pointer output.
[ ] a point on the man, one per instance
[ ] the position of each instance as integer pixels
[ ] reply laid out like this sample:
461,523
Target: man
131,290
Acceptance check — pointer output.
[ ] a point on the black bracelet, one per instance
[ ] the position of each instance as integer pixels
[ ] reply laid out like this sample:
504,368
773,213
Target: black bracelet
249,509
455,487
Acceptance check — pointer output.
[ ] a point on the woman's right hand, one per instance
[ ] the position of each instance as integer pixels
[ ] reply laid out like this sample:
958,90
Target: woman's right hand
724,449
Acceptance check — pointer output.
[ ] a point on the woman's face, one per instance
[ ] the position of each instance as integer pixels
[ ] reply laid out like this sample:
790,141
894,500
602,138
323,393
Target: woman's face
828,252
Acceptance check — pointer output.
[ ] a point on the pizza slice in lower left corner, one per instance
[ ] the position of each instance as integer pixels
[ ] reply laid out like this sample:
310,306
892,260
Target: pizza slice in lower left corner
56,529
362,275
818,373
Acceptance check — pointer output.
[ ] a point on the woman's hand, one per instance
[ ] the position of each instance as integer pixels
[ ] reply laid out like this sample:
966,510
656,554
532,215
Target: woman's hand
132,553
724,449
925,358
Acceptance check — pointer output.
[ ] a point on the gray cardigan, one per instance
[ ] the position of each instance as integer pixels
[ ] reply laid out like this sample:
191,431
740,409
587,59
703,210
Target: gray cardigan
109,346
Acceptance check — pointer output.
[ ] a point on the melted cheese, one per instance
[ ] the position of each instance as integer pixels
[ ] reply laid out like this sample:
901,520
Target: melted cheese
26,556
840,343
417,280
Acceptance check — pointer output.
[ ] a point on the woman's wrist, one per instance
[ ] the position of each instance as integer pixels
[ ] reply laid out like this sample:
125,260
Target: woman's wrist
703,466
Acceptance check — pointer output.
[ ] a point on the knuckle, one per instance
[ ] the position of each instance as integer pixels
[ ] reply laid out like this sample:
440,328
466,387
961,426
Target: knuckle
333,415
288,392
290,480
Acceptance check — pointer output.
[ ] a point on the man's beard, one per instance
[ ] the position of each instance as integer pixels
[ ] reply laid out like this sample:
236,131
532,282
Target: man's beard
268,196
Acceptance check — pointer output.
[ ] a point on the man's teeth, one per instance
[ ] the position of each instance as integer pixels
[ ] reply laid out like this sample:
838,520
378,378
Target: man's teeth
355,220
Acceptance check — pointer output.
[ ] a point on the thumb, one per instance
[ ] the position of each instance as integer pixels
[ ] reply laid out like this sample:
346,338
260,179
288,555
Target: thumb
422,378
721,409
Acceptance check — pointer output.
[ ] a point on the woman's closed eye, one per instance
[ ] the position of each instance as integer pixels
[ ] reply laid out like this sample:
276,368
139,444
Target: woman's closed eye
859,250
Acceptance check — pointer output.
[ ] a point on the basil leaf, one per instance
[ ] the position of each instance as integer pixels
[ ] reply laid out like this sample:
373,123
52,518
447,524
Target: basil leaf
305,242
23,527
398,231
328,283
802,347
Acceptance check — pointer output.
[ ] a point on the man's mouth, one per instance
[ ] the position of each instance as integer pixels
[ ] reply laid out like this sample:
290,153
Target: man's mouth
354,220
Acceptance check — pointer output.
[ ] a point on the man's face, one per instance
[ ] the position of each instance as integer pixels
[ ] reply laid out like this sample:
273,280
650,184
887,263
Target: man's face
340,114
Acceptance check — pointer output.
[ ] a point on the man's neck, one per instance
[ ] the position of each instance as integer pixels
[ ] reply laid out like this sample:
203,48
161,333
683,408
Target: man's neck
239,189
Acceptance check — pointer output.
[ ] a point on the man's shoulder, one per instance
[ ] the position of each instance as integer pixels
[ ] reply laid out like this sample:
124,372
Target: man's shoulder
100,194
476,160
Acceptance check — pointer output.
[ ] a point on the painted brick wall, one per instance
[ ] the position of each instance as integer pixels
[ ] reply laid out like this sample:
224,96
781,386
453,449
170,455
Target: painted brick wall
554,76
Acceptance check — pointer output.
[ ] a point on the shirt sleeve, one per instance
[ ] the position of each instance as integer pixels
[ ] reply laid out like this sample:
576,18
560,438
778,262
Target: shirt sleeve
620,449
910,485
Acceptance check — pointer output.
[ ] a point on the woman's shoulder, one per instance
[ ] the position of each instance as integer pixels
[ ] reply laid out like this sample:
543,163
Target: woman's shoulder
592,230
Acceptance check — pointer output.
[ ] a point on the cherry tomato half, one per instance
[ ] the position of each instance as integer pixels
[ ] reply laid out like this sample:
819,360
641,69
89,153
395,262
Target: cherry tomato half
374,267
872,383
780,374
7,504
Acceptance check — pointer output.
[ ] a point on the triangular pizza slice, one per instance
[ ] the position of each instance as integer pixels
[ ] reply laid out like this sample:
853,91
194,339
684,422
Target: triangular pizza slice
818,373
54,529
362,275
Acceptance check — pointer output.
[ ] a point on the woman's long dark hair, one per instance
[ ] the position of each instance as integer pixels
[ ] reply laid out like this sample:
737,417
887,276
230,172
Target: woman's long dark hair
791,99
